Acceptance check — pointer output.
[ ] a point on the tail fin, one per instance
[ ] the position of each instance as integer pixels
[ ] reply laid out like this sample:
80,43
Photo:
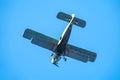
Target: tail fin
76,21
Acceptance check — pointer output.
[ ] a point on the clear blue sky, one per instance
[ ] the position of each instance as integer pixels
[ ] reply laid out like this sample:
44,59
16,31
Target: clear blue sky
21,60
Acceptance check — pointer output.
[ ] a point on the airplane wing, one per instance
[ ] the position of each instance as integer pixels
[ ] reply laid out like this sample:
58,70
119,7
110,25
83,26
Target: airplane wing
79,53
40,39
76,21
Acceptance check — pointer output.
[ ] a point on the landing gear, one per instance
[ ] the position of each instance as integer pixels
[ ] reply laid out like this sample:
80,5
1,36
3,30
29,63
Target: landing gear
51,54
65,59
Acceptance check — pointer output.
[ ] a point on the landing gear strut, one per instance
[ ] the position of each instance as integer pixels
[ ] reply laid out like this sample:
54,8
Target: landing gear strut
65,59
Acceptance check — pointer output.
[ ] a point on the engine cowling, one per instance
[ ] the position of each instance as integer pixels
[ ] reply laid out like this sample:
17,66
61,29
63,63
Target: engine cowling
55,58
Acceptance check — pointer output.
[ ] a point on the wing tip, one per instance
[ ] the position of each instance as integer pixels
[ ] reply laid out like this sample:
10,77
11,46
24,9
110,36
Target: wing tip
93,58
27,34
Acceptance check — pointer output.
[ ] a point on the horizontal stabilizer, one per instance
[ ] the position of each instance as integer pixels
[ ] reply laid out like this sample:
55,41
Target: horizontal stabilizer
76,21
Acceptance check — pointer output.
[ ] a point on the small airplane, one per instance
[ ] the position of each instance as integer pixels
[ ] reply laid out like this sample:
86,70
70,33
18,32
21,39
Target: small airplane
60,47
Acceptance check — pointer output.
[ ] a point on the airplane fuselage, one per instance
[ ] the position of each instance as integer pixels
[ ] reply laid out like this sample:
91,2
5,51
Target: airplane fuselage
59,51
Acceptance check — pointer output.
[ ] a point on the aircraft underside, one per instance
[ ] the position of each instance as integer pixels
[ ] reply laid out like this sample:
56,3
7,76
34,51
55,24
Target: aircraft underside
61,47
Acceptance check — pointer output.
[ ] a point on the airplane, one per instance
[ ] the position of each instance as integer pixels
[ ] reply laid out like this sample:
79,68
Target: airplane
60,47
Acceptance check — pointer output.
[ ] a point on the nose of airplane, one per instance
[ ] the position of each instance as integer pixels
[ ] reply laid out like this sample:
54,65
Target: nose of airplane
53,61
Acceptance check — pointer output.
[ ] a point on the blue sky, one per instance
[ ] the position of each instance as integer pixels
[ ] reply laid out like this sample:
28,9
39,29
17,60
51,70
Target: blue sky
21,60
